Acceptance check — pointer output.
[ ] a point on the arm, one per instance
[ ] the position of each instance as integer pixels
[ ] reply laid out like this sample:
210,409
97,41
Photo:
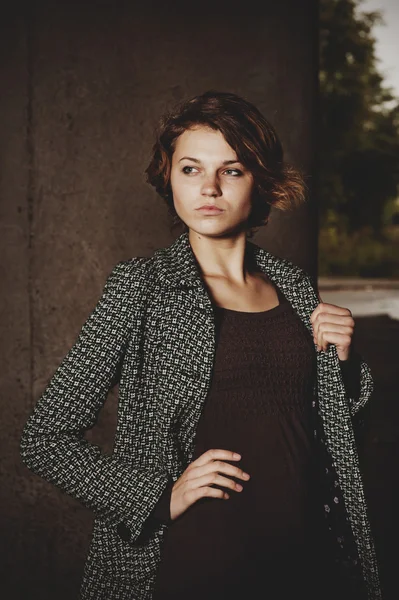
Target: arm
52,443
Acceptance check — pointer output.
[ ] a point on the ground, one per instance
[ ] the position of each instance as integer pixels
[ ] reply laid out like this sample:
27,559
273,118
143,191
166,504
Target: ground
375,307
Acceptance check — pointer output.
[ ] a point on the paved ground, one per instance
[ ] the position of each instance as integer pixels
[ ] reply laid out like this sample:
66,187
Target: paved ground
377,338
347,283
365,302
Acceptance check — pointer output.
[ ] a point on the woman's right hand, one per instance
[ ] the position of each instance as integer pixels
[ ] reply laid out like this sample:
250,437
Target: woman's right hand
195,481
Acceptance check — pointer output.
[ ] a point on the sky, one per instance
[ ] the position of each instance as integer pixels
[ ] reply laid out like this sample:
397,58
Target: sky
387,39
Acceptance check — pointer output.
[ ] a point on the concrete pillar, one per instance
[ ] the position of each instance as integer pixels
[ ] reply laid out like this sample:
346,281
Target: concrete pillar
83,84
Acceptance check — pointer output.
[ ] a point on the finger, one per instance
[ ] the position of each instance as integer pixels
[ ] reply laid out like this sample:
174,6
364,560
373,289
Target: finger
329,308
215,454
217,466
331,337
207,485
212,479
324,316
195,494
332,328
320,341
333,320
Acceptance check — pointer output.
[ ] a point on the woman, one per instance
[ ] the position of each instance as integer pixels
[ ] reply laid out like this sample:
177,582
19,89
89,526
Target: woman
231,371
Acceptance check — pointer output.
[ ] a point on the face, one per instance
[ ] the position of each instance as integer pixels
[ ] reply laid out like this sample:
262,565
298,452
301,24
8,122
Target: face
205,171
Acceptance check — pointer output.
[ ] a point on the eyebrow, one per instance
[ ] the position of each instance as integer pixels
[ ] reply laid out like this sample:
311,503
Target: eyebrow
225,162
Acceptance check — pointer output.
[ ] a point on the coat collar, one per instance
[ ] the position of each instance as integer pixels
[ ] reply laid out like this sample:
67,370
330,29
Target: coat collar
179,266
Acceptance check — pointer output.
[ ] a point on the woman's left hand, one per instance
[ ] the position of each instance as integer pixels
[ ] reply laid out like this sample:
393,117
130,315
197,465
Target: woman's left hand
333,325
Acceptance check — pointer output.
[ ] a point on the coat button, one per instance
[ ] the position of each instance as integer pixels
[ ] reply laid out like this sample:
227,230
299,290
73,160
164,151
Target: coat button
124,532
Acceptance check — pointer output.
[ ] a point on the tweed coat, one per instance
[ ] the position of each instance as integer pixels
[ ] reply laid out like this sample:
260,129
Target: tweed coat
152,332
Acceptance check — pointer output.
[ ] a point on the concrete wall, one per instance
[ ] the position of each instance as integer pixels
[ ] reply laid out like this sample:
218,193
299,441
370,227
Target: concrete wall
82,85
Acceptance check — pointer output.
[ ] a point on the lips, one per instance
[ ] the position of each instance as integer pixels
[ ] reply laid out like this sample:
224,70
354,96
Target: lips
210,207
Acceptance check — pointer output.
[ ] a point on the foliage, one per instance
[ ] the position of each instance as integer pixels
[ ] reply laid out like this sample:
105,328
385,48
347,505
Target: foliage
359,122
357,254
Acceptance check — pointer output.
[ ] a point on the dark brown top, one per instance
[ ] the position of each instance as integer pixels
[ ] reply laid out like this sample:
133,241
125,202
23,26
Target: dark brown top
259,405
351,376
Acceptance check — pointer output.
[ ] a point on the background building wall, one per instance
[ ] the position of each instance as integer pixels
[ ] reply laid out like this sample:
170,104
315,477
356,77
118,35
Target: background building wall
82,87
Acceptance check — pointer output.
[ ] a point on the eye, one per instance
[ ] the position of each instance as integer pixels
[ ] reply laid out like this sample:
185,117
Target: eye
184,169
237,172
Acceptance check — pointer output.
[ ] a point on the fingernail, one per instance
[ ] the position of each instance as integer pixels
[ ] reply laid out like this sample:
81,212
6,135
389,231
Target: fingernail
236,455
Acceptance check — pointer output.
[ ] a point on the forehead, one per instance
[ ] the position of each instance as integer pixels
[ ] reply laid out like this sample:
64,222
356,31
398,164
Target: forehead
200,142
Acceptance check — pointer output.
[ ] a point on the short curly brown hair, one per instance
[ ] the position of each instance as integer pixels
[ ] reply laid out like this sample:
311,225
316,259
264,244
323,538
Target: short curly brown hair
251,136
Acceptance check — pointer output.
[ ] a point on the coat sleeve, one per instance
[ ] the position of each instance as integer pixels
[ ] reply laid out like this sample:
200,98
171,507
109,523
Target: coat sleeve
161,513
365,387
357,380
52,444
350,370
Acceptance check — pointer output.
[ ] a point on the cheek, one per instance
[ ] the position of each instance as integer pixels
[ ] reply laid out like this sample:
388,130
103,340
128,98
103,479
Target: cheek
174,184
182,188
245,188
183,195
246,193
173,181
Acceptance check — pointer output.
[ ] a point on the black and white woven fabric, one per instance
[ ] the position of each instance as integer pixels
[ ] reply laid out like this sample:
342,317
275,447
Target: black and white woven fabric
153,332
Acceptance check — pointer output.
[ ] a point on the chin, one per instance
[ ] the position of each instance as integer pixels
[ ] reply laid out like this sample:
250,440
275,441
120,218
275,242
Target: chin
214,230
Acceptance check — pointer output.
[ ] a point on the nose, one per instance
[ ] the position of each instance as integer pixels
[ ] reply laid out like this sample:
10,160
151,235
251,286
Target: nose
210,186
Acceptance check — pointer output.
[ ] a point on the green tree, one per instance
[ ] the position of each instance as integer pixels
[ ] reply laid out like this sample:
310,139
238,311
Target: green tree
359,121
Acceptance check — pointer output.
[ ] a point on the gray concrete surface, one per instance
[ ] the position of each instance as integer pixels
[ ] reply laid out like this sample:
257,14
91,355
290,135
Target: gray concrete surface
377,339
357,283
364,302
375,306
